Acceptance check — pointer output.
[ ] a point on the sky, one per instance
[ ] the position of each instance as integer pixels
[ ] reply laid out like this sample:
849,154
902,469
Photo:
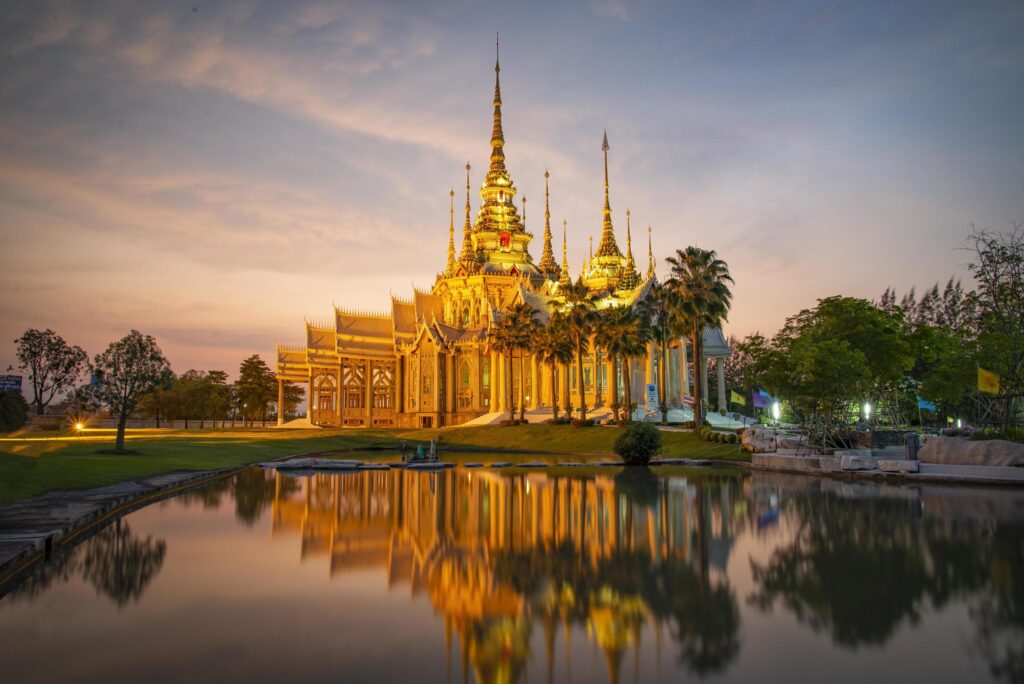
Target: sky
214,173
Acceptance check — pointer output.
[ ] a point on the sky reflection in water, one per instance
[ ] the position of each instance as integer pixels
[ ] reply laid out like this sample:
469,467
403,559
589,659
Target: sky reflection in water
496,577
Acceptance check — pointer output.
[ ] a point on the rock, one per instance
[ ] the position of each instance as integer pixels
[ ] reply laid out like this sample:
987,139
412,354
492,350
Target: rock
898,466
861,437
472,465
960,451
758,440
790,442
850,461
500,464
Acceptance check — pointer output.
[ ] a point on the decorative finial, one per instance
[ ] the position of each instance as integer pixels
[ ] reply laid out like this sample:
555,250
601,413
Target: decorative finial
607,248
467,258
524,212
547,264
450,267
564,279
650,256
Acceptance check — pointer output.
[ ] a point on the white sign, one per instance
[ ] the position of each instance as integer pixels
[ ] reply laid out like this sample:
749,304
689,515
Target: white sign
652,396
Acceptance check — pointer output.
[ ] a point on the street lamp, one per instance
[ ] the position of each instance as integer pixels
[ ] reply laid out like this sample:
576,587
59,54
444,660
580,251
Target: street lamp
867,411
776,411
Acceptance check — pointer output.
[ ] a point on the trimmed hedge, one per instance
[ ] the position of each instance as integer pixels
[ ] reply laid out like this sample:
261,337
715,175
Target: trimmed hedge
637,443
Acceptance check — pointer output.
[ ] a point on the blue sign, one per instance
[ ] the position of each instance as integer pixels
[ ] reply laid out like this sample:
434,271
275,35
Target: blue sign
10,383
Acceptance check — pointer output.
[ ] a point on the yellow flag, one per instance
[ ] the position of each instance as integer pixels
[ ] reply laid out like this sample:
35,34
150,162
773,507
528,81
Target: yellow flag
738,398
988,381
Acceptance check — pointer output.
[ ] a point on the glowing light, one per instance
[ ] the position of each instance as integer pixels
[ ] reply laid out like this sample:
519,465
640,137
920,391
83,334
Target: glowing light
959,423
776,410
79,426
867,410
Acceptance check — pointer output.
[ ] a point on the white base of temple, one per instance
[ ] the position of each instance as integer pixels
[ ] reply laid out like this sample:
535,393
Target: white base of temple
298,424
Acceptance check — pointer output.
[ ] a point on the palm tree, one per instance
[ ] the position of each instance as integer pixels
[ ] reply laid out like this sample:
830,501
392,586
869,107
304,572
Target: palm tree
524,329
607,329
632,343
554,346
660,309
579,314
502,338
702,281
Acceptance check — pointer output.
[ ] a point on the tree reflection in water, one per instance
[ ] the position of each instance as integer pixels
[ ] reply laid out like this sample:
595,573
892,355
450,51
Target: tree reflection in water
862,563
118,563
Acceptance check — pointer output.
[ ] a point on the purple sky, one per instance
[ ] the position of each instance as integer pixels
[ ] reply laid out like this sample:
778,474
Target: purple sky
211,173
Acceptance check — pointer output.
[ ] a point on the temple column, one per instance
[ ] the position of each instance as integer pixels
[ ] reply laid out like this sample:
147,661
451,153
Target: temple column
534,383
684,371
369,394
704,380
594,378
476,361
649,378
493,389
280,402
309,398
611,382
720,367
337,394
564,381
502,379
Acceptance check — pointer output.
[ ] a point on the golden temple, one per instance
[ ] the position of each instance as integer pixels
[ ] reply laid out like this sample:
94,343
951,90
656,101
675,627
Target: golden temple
427,362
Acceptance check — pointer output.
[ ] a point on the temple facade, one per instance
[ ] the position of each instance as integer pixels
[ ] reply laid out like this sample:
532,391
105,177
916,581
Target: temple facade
427,362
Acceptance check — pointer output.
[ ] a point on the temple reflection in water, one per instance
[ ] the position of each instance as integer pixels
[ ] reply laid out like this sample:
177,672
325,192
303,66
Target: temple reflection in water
498,553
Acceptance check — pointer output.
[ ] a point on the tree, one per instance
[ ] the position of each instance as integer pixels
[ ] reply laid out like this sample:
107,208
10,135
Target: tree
579,315
554,347
129,369
660,308
702,281
13,411
53,365
292,397
255,389
998,268
523,329
623,334
158,404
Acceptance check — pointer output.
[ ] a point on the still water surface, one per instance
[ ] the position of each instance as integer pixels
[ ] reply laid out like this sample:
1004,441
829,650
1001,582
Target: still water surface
503,576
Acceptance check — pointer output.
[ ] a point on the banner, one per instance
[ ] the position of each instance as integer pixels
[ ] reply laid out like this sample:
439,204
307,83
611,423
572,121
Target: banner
762,399
926,405
988,381
738,398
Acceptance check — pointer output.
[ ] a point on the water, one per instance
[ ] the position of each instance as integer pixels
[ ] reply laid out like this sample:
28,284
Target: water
480,575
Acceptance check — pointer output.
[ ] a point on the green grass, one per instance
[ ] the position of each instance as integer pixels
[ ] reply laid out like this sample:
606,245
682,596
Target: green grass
34,463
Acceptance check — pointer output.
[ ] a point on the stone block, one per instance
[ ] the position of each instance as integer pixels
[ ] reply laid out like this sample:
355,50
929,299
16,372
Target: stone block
850,461
898,466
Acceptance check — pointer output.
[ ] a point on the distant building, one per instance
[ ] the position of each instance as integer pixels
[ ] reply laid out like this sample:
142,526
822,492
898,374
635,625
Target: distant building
427,362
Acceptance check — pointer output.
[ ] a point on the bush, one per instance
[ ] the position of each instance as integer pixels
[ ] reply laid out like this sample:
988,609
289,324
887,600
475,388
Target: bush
686,425
1013,434
637,443
589,422
561,420
13,411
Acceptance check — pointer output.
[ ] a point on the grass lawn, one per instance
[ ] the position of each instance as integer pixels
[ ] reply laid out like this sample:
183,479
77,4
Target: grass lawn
34,463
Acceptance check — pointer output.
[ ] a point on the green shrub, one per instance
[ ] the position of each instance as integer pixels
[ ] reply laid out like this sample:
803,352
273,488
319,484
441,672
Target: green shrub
1013,434
13,411
589,422
637,443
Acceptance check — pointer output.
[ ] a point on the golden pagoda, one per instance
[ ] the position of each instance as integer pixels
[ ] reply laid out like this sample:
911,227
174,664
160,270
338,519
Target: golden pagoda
427,363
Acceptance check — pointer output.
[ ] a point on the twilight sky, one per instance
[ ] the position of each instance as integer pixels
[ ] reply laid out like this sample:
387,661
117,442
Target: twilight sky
212,172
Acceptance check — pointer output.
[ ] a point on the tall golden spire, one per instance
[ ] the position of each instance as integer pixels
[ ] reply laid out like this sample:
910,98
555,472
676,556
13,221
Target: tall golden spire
450,267
564,280
591,249
497,134
524,212
547,265
630,278
468,256
650,256
607,246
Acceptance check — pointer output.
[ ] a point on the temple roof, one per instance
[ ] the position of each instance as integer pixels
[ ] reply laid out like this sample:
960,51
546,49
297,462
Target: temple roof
453,335
428,306
403,316
362,325
320,338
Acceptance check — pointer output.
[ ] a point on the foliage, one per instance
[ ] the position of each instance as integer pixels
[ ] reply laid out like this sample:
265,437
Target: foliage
255,389
553,347
53,366
622,332
129,369
579,316
638,442
702,281
661,312
998,270
1013,434
13,411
